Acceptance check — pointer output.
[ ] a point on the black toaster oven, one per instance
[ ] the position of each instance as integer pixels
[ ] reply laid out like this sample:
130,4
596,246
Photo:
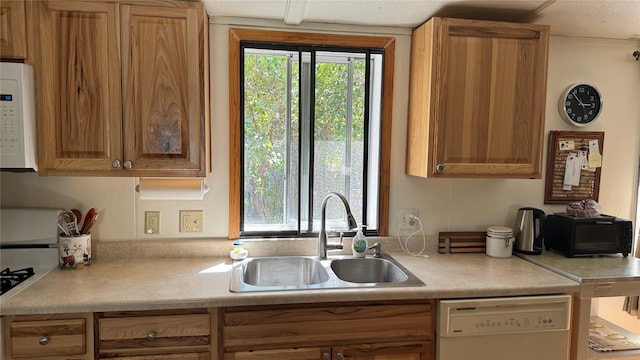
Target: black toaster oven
575,236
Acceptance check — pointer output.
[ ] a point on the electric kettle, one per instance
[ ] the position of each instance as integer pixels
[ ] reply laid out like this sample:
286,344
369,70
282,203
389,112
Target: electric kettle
529,230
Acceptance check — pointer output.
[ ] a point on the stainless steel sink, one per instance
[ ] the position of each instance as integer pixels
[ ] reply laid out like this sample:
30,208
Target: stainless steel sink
307,272
368,270
284,271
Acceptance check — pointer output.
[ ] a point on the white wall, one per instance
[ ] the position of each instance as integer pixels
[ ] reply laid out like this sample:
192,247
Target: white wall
444,205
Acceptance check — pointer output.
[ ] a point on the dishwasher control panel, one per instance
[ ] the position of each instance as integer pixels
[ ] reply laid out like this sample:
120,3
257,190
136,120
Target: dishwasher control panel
503,315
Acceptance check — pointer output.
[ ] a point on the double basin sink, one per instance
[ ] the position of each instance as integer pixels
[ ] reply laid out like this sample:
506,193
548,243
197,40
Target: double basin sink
307,272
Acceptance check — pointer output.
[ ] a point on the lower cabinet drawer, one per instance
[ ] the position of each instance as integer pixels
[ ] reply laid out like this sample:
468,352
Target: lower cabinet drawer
183,336
188,356
37,338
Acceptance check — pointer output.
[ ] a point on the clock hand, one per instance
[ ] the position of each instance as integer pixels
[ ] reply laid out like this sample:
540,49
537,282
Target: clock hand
575,94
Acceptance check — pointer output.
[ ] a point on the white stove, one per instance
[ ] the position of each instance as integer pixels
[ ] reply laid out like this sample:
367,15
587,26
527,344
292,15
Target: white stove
28,247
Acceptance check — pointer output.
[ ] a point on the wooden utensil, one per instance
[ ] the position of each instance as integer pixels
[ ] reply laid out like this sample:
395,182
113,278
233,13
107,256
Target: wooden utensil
87,219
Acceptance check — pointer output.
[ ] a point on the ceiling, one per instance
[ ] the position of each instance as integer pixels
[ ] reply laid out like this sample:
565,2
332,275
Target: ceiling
612,19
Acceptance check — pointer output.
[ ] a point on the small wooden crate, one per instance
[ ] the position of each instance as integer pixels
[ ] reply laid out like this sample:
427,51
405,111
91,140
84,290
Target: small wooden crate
462,242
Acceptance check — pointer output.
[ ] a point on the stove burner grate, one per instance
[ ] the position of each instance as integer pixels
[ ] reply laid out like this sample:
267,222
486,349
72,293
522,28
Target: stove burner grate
11,278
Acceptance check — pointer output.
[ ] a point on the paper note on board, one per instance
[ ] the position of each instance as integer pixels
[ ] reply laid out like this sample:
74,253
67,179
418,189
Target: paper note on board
595,160
572,171
567,145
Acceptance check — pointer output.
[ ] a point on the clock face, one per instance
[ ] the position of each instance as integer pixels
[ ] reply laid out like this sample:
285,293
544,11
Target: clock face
580,104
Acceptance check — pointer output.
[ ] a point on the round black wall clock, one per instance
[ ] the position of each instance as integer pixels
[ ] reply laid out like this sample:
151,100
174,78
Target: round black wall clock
580,104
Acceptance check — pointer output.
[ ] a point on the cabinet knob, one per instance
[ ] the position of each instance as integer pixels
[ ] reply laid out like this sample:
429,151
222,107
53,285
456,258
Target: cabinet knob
326,356
151,335
128,164
115,164
440,167
43,340
339,356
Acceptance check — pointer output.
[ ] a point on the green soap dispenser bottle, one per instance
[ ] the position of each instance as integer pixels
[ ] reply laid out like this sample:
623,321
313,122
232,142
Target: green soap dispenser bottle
359,244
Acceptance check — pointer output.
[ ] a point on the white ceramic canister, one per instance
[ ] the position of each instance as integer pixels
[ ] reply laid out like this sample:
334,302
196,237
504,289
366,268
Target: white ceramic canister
75,251
499,241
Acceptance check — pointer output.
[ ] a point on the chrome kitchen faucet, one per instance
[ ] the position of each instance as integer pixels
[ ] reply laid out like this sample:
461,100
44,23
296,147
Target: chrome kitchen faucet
322,238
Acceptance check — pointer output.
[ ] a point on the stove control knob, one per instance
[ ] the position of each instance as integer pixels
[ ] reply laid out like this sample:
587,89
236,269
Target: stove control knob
151,335
43,340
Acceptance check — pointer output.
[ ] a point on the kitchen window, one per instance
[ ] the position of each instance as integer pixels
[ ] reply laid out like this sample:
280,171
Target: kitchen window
309,114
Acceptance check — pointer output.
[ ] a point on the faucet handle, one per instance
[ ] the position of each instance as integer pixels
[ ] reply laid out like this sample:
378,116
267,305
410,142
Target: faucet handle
376,250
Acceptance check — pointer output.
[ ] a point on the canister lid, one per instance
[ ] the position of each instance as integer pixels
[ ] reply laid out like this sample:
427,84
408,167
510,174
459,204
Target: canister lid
499,231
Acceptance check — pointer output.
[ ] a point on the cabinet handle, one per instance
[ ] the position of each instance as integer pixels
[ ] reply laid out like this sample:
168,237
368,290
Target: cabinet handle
326,356
339,356
151,335
43,340
440,167
115,164
128,164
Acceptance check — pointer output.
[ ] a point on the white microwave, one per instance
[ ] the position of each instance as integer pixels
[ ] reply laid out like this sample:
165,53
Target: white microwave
18,150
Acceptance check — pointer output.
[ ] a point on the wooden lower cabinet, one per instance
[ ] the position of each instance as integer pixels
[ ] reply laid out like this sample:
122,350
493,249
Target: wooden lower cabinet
359,331
191,356
151,335
312,353
392,351
50,337
398,330
385,351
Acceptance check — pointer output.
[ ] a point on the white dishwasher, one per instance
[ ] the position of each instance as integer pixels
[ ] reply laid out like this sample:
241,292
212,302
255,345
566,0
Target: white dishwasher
523,328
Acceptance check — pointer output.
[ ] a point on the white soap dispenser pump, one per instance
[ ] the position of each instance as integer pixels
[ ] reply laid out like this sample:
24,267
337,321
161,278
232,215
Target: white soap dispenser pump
359,244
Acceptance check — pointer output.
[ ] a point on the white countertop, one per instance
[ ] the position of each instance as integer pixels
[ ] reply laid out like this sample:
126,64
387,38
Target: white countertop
150,284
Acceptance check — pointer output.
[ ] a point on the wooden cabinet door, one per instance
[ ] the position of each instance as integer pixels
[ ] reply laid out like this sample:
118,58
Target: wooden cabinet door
312,353
393,351
163,78
189,356
478,99
13,30
78,75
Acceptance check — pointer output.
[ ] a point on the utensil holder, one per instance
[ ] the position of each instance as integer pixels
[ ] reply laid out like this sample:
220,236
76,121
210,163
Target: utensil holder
74,251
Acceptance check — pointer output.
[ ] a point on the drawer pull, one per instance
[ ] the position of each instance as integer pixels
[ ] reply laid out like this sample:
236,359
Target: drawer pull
339,356
151,335
326,356
43,340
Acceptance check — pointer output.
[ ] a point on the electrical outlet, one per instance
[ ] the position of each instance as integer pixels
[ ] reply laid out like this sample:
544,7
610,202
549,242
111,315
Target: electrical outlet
152,222
405,222
191,220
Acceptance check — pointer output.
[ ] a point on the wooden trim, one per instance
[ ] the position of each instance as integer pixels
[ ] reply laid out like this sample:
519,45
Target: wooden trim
235,36
385,146
234,135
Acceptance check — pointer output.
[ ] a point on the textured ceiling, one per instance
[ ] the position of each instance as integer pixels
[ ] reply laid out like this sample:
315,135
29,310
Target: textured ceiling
613,19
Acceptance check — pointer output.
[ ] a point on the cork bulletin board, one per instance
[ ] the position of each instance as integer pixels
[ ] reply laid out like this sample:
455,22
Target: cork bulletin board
563,148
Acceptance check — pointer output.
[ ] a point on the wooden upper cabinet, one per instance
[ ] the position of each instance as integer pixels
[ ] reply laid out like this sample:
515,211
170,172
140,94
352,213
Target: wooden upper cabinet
78,82
123,88
163,69
477,99
13,30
